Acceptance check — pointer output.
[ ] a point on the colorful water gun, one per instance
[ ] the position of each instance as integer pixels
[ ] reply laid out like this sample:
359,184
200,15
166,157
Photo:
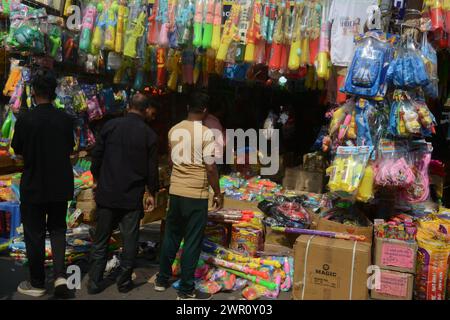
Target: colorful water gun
365,190
323,57
277,43
160,62
153,25
244,22
234,266
135,33
271,21
314,29
87,27
217,25
55,40
328,234
98,30
253,33
229,32
436,13
185,15
121,10
446,9
295,51
268,284
208,23
163,19
198,24
119,76
111,23
173,60
173,38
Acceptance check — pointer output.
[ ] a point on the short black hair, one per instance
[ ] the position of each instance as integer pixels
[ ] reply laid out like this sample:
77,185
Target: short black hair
44,84
198,102
139,102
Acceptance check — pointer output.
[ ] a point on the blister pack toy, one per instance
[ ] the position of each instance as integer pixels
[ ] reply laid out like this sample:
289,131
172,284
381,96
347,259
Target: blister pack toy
347,168
366,75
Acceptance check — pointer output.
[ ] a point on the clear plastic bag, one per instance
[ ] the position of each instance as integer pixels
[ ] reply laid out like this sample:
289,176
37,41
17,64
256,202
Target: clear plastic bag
429,57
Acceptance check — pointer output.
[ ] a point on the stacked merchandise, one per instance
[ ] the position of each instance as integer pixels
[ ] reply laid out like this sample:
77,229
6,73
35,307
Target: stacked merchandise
395,254
221,269
253,189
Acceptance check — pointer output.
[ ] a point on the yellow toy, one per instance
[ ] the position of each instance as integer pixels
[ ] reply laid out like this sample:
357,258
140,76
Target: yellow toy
96,42
173,67
295,51
217,24
351,133
138,31
365,190
229,32
110,30
118,46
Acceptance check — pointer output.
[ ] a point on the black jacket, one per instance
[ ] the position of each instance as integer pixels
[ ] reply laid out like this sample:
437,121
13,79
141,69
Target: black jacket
44,137
124,161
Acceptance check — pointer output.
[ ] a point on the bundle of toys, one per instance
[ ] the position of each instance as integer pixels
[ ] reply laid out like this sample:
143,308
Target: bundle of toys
399,227
253,189
286,212
221,269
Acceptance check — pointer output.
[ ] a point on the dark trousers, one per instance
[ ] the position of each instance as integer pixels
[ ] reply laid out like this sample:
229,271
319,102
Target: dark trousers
186,220
37,219
107,220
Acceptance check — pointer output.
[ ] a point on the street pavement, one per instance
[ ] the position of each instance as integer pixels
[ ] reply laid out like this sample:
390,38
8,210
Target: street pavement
11,274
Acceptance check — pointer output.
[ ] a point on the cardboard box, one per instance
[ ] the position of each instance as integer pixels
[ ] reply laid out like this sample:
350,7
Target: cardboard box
327,225
159,212
276,249
290,178
330,269
310,181
395,255
86,195
88,208
229,203
394,286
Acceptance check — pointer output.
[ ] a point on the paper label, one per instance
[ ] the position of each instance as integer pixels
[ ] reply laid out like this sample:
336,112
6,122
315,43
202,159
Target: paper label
393,284
397,256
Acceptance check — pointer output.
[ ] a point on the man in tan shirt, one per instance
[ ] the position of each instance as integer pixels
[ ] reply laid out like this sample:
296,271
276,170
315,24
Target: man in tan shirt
191,149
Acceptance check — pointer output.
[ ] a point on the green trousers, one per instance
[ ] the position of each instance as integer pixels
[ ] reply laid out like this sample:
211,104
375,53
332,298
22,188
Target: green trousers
186,219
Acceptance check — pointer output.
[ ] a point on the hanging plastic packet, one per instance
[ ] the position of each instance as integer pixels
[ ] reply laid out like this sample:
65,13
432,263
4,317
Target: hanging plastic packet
394,166
363,134
347,169
429,57
407,70
366,75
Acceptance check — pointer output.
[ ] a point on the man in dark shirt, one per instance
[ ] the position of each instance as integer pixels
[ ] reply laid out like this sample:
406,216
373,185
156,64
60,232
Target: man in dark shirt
44,138
124,162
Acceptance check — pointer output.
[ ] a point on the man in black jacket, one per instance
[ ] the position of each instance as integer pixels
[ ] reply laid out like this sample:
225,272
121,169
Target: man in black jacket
44,138
124,162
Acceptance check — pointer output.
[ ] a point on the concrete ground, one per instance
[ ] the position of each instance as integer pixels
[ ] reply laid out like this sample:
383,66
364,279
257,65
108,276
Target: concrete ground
12,274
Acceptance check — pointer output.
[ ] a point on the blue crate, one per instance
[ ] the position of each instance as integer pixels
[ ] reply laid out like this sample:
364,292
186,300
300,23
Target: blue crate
14,208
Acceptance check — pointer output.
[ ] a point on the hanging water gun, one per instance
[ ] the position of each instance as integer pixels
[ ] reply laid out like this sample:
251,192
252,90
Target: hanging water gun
98,30
314,29
295,51
110,29
323,58
271,22
277,43
229,32
198,24
153,25
134,34
253,33
87,27
173,38
208,25
185,15
244,19
436,13
121,10
217,24
304,51
446,9
163,18
55,40
161,71
173,61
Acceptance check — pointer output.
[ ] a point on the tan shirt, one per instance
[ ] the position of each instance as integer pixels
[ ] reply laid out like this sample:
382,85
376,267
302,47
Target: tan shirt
190,143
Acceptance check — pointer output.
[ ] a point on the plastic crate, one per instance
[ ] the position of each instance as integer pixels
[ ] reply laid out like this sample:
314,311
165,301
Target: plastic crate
14,209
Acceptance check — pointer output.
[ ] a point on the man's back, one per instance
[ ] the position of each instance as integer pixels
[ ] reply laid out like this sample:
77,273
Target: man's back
125,160
44,137
189,141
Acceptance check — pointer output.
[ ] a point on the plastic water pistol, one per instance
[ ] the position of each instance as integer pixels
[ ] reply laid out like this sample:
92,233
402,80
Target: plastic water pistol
277,43
110,26
295,51
436,13
198,24
244,22
121,10
136,32
55,40
253,32
229,32
173,59
87,27
96,42
217,24
323,57
153,25
172,33
163,18
208,23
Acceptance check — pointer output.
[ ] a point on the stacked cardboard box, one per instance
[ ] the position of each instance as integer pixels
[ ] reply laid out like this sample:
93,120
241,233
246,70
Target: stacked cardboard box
397,262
